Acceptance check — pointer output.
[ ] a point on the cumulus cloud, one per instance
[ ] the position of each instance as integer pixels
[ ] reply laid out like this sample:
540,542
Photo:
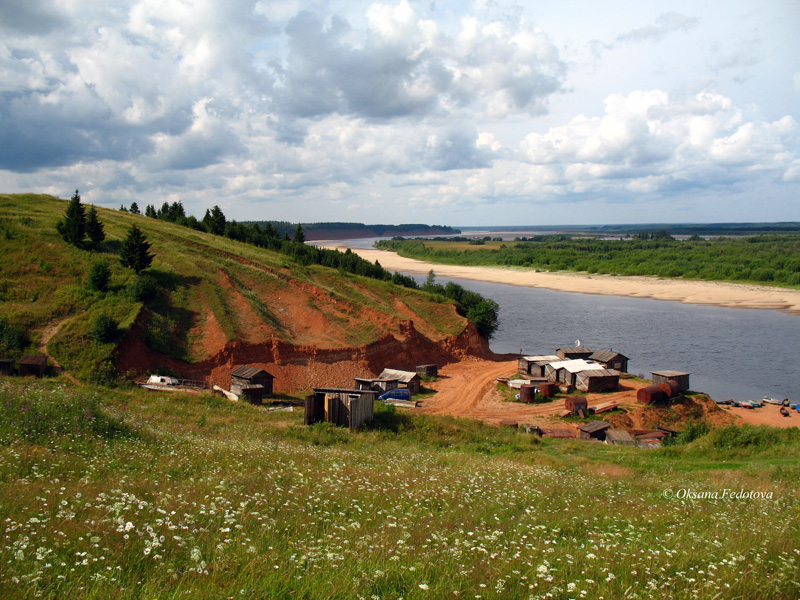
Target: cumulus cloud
647,141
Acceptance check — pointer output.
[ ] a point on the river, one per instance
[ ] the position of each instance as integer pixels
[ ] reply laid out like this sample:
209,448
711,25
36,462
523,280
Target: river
730,352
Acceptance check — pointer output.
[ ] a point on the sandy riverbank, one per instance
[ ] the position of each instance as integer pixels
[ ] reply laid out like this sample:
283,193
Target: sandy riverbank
693,292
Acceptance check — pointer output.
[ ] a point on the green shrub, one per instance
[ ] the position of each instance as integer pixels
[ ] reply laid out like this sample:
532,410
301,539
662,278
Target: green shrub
143,289
733,437
105,329
99,277
13,339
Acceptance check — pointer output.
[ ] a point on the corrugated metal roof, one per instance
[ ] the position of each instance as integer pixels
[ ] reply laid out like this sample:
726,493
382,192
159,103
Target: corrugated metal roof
544,357
606,355
579,349
403,376
576,365
250,372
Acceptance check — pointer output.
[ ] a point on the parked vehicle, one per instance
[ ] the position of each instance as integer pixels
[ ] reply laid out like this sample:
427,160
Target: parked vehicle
396,394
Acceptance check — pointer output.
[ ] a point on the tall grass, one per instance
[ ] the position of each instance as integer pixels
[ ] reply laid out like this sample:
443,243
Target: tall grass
211,499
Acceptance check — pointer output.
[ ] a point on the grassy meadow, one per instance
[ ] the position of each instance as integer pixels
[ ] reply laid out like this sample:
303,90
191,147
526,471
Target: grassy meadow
123,493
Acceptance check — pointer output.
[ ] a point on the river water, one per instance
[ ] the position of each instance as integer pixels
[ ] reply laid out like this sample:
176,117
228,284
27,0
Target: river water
730,352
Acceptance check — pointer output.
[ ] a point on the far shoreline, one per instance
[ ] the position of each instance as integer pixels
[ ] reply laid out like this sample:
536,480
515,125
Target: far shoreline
714,293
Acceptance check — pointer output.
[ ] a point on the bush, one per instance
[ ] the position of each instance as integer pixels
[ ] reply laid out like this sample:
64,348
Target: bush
143,289
99,277
733,437
13,339
105,329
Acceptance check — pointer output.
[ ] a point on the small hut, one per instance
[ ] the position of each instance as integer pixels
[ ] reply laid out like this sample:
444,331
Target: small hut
249,377
594,430
534,365
7,366
339,406
32,364
405,379
428,371
597,380
550,432
679,376
376,385
573,353
577,406
619,437
566,371
611,359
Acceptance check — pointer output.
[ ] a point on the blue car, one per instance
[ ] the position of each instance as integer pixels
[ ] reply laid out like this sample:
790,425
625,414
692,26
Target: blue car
397,394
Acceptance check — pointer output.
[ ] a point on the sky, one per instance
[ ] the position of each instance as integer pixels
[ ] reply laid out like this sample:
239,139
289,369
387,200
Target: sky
436,111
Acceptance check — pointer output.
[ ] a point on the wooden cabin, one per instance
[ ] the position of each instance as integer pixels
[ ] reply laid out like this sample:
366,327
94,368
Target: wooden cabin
249,377
32,364
611,360
376,385
340,406
597,380
573,353
535,365
679,376
406,379
428,371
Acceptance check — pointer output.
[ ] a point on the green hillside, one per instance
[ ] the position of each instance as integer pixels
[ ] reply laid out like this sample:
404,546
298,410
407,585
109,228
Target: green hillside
202,292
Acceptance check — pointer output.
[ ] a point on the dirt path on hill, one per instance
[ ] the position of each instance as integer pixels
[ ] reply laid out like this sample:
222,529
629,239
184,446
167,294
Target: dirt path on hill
49,332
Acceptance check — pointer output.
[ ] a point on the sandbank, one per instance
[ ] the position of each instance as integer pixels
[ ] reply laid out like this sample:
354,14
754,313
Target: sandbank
714,293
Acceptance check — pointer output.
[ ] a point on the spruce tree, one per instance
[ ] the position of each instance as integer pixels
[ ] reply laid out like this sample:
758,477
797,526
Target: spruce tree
135,208
134,253
94,228
73,226
299,234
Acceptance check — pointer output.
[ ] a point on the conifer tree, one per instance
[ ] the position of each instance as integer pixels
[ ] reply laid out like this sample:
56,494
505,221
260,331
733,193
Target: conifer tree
134,253
299,235
135,208
94,228
73,226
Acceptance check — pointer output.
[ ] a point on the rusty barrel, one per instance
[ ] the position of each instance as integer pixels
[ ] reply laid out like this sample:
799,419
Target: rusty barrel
671,388
548,390
651,394
576,403
527,393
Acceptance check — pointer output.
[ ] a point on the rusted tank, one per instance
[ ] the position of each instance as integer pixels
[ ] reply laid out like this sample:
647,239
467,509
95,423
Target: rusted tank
548,390
651,394
671,388
527,393
575,404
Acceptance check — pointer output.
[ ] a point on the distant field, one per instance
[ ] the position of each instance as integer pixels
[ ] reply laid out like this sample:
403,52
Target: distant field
760,259
131,494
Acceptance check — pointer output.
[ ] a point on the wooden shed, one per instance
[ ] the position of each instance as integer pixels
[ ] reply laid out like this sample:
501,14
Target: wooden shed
679,376
7,366
619,437
428,371
577,406
340,406
611,359
376,385
247,377
594,430
573,353
566,371
535,365
254,394
597,380
32,364
405,379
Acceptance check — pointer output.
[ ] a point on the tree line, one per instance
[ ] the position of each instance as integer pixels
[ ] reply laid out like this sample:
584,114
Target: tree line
767,259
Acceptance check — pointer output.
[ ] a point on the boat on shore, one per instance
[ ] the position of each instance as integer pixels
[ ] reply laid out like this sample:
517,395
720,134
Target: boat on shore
163,383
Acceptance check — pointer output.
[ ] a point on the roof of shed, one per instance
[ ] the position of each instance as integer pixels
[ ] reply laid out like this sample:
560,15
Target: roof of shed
575,350
618,435
543,357
404,376
33,359
670,373
606,355
576,365
250,372
599,373
594,426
